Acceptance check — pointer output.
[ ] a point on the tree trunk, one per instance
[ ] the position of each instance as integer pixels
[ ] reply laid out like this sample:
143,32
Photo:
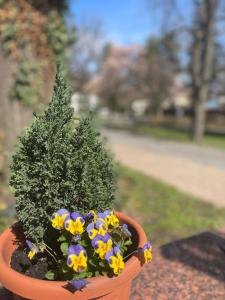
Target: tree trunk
199,118
202,60
159,114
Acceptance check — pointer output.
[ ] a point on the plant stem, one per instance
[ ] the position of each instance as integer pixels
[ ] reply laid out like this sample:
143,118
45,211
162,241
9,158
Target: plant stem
51,252
130,254
50,249
53,256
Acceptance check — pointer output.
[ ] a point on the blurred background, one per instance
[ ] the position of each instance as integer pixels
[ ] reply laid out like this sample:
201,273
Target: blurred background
152,74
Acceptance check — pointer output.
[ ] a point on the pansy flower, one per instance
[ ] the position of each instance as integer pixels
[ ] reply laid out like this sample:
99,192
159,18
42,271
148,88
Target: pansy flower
147,252
125,230
97,228
102,216
77,258
33,249
111,218
91,214
101,226
75,223
78,284
58,218
115,260
91,230
102,244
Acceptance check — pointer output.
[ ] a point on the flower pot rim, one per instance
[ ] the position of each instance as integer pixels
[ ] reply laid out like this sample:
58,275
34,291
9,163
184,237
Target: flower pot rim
22,284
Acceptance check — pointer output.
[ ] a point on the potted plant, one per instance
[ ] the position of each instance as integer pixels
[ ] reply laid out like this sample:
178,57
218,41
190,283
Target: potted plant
68,242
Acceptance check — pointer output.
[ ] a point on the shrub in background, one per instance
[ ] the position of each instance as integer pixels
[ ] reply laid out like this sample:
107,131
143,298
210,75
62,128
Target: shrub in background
58,164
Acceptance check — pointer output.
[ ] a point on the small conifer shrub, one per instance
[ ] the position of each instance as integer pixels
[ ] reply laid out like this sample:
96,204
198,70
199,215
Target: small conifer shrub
59,164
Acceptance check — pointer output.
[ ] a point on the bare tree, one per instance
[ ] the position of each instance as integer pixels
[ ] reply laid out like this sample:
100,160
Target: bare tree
203,69
201,64
86,53
136,72
161,65
117,81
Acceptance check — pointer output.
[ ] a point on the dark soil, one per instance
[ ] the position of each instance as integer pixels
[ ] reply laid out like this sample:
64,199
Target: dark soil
35,268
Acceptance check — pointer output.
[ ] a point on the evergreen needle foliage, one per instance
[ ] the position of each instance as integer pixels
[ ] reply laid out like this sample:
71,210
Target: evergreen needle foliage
58,164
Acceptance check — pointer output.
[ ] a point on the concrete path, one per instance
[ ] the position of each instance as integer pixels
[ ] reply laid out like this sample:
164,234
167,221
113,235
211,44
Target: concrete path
194,169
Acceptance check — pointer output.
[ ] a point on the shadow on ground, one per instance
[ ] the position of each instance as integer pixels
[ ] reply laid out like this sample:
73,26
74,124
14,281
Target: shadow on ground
204,252
191,268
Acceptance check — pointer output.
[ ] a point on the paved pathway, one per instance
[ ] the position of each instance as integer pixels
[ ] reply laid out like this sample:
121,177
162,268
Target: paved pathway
194,169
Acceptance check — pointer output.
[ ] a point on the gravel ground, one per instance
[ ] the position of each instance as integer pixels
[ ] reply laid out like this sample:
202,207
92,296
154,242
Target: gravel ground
197,170
188,269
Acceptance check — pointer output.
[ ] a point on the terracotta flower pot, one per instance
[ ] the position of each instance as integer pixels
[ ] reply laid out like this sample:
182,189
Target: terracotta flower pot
98,288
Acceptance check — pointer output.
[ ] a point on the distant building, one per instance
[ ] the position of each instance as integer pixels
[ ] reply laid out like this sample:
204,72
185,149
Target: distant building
215,108
139,107
84,102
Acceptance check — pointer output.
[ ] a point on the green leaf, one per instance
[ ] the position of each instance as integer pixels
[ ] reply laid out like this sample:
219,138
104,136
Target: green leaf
128,242
103,264
64,248
89,274
65,268
105,273
85,275
62,238
50,275
83,243
92,263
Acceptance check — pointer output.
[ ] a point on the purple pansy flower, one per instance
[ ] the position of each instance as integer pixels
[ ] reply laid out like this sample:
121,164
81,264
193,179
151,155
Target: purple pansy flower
102,244
109,254
125,230
77,258
91,214
115,260
117,250
75,223
33,249
98,228
113,252
62,212
147,252
76,249
76,215
99,237
59,217
100,224
101,216
111,219
78,284
30,244
147,246
90,227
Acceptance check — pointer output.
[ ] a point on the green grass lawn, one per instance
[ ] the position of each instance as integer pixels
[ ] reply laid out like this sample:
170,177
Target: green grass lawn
213,140
165,213
173,134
